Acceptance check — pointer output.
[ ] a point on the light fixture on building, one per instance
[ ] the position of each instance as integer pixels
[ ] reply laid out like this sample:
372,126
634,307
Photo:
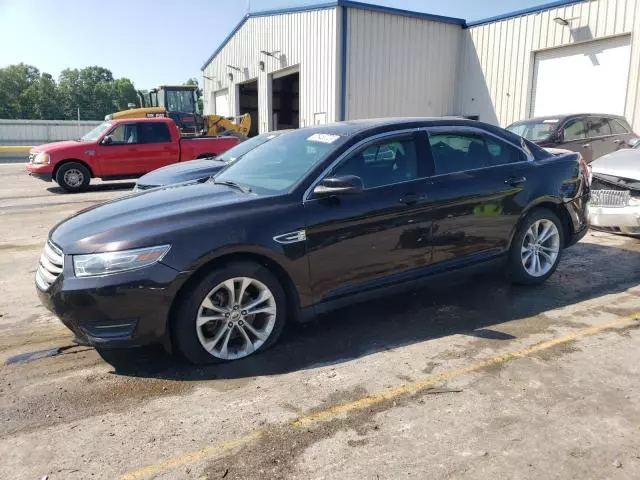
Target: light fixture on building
230,77
561,21
273,54
234,68
261,65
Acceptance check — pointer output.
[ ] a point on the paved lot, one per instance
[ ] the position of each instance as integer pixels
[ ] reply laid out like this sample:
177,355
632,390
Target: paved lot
478,380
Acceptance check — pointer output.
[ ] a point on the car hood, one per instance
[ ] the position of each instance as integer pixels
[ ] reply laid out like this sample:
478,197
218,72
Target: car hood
145,219
623,164
181,172
56,146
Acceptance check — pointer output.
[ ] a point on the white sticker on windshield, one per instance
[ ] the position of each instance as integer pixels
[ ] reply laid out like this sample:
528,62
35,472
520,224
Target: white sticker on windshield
323,138
551,120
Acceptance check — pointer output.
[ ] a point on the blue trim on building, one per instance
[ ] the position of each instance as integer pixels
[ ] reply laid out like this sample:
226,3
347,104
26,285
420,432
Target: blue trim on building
343,64
398,11
525,11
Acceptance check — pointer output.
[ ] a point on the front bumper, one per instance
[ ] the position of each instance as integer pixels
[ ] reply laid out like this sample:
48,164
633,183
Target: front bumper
625,220
42,172
120,310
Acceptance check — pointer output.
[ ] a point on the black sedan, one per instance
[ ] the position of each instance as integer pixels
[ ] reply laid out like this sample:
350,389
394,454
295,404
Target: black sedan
310,221
201,170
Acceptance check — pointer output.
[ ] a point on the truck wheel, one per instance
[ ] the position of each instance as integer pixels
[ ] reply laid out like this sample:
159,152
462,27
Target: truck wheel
536,248
73,177
233,312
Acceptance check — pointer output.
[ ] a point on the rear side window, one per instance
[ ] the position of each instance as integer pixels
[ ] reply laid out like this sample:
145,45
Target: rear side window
154,133
457,152
575,130
617,127
599,127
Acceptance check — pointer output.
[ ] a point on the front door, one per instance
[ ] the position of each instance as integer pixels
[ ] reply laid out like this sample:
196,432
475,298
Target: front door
600,137
377,236
120,156
478,193
574,137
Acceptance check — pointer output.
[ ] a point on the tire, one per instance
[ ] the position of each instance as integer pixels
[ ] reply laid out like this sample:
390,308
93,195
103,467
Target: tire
73,177
521,265
262,329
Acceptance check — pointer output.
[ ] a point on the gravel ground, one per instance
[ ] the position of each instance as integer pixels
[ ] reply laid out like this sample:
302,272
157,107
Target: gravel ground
474,380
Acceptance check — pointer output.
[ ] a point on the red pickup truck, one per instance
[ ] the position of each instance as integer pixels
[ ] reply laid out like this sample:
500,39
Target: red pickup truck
120,149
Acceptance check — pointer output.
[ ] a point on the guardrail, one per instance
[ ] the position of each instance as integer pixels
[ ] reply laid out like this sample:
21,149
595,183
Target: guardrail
14,149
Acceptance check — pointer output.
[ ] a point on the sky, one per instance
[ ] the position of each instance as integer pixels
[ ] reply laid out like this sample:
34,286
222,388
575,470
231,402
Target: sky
154,42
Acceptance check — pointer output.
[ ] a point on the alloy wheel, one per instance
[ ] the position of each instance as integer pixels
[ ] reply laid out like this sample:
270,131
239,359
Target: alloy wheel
236,318
73,177
540,247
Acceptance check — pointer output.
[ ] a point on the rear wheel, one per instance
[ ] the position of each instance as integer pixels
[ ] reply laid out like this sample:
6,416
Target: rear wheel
536,248
73,177
232,313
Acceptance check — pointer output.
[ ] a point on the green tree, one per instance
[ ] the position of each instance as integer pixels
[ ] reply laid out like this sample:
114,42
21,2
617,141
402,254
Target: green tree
40,99
14,81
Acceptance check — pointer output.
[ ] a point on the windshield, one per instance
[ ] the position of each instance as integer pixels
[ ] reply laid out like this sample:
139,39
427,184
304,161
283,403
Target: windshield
182,101
278,165
245,147
535,130
96,133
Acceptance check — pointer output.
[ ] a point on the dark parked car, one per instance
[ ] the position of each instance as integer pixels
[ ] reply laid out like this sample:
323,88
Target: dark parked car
312,220
591,135
201,170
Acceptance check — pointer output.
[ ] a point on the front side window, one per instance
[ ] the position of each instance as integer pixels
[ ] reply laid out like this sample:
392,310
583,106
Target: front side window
382,163
575,130
458,152
599,127
154,133
125,133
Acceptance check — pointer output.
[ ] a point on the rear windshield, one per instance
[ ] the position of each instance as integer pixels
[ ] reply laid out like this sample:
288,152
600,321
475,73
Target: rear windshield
535,130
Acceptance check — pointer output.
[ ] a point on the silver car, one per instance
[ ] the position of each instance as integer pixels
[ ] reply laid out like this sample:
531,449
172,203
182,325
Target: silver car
615,192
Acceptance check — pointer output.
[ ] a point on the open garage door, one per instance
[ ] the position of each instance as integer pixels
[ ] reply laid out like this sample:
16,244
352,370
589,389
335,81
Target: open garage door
221,102
588,77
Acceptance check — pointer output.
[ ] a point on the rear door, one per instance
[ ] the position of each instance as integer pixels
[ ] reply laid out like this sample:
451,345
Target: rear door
574,137
366,240
622,134
600,137
477,194
155,148
120,157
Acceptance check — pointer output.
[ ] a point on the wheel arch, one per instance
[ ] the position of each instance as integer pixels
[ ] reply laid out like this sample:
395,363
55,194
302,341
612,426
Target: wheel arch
554,205
71,160
283,276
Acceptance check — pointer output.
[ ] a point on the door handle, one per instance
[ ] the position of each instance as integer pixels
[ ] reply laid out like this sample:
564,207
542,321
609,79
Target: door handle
617,141
586,145
515,181
412,198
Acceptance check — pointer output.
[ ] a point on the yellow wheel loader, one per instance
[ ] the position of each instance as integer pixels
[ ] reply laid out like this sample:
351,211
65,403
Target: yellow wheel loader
180,103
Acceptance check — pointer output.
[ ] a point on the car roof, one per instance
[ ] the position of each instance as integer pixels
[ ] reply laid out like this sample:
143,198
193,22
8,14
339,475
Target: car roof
137,120
567,116
353,127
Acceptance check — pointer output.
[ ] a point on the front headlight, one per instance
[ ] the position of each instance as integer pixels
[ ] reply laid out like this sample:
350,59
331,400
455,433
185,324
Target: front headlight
41,158
115,262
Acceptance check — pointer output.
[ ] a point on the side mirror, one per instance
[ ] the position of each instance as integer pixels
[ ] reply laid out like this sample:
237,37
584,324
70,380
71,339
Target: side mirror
107,140
343,185
633,142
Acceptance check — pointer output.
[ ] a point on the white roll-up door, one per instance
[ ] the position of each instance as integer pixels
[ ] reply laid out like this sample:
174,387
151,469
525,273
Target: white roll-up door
221,99
590,77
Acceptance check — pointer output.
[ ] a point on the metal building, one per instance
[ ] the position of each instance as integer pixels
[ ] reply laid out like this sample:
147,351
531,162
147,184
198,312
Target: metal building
347,60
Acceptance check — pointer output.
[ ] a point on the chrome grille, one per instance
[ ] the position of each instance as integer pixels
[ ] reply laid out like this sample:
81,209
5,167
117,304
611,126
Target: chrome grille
610,198
50,266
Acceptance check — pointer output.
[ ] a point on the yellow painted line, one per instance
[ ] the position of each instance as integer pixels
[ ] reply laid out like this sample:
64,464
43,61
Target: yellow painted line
14,149
402,391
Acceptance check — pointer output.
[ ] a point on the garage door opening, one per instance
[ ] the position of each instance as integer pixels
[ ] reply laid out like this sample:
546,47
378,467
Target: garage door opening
589,77
285,102
248,100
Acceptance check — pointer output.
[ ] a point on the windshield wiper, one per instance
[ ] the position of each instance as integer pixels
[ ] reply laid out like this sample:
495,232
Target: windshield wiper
231,184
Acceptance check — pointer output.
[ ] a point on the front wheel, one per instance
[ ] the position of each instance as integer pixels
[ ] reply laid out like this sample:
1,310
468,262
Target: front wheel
232,313
73,177
536,248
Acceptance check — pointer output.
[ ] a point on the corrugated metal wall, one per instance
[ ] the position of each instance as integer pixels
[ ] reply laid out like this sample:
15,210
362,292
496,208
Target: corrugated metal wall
36,132
305,39
400,66
497,59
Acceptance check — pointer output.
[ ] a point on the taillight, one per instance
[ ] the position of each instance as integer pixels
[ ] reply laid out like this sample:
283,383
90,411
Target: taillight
586,170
